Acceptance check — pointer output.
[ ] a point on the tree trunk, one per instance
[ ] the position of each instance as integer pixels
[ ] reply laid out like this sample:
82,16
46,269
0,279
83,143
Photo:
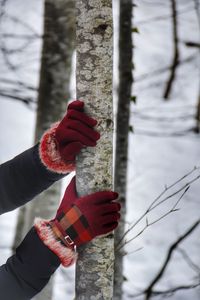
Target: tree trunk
58,47
197,9
94,271
122,131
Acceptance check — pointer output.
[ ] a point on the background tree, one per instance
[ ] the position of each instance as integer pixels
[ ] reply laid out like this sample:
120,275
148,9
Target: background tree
197,9
122,131
94,271
58,47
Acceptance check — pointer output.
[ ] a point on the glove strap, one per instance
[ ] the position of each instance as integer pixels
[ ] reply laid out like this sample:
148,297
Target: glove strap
72,227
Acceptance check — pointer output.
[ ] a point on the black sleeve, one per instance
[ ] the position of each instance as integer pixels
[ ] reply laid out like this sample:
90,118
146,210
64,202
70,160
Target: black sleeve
27,272
22,178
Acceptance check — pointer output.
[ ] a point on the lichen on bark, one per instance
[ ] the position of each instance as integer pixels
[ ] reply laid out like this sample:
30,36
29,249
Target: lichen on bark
94,272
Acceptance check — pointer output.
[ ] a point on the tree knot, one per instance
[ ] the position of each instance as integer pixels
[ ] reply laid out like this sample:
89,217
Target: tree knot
100,29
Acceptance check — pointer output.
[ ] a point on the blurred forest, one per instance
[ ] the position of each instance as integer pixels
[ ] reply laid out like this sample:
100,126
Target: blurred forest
156,93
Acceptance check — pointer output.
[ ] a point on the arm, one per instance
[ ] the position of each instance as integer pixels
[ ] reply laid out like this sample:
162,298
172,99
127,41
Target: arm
44,248
29,270
33,171
22,178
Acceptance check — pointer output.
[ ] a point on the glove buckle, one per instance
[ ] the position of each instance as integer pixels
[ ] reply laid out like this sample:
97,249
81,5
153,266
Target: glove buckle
69,240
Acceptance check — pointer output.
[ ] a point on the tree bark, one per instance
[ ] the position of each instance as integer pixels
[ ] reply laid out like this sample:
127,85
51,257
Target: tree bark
94,271
122,131
58,47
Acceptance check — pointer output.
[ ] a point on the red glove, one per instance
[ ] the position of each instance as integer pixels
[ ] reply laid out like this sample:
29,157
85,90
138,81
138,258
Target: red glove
75,131
60,145
80,219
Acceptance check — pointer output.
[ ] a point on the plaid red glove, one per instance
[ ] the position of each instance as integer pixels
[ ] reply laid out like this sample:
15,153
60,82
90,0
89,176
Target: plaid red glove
60,145
80,219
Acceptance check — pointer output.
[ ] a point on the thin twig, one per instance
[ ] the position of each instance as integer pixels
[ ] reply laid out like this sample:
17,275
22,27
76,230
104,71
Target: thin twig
155,202
25,100
176,289
165,69
180,133
18,82
23,23
149,290
147,117
173,209
163,17
167,292
189,261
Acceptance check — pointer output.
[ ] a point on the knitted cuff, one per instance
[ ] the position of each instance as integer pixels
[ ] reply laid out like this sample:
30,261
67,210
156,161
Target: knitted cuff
66,255
50,155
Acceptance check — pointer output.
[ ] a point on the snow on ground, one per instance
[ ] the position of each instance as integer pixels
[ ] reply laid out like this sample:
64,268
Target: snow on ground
160,151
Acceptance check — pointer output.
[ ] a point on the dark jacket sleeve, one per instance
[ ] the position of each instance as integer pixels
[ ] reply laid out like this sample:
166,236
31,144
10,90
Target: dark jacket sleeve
27,272
22,178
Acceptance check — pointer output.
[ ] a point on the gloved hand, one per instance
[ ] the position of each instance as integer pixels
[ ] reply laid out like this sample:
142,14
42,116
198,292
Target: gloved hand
80,219
60,145
75,131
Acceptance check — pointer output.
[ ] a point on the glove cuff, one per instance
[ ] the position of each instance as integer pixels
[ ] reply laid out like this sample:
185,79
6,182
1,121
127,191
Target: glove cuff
66,255
49,153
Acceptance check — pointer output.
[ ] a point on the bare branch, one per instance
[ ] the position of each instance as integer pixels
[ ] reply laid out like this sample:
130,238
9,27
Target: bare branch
148,117
164,17
149,290
16,20
164,134
169,292
133,252
25,100
19,83
189,261
148,224
175,60
157,203
176,289
20,36
192,44
166,68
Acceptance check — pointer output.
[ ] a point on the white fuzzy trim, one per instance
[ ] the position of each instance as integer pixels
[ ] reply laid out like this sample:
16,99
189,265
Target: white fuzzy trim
66,255
49,154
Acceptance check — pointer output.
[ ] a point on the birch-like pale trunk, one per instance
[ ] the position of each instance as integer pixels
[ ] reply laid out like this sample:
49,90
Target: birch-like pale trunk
122,131
58,47
94,270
